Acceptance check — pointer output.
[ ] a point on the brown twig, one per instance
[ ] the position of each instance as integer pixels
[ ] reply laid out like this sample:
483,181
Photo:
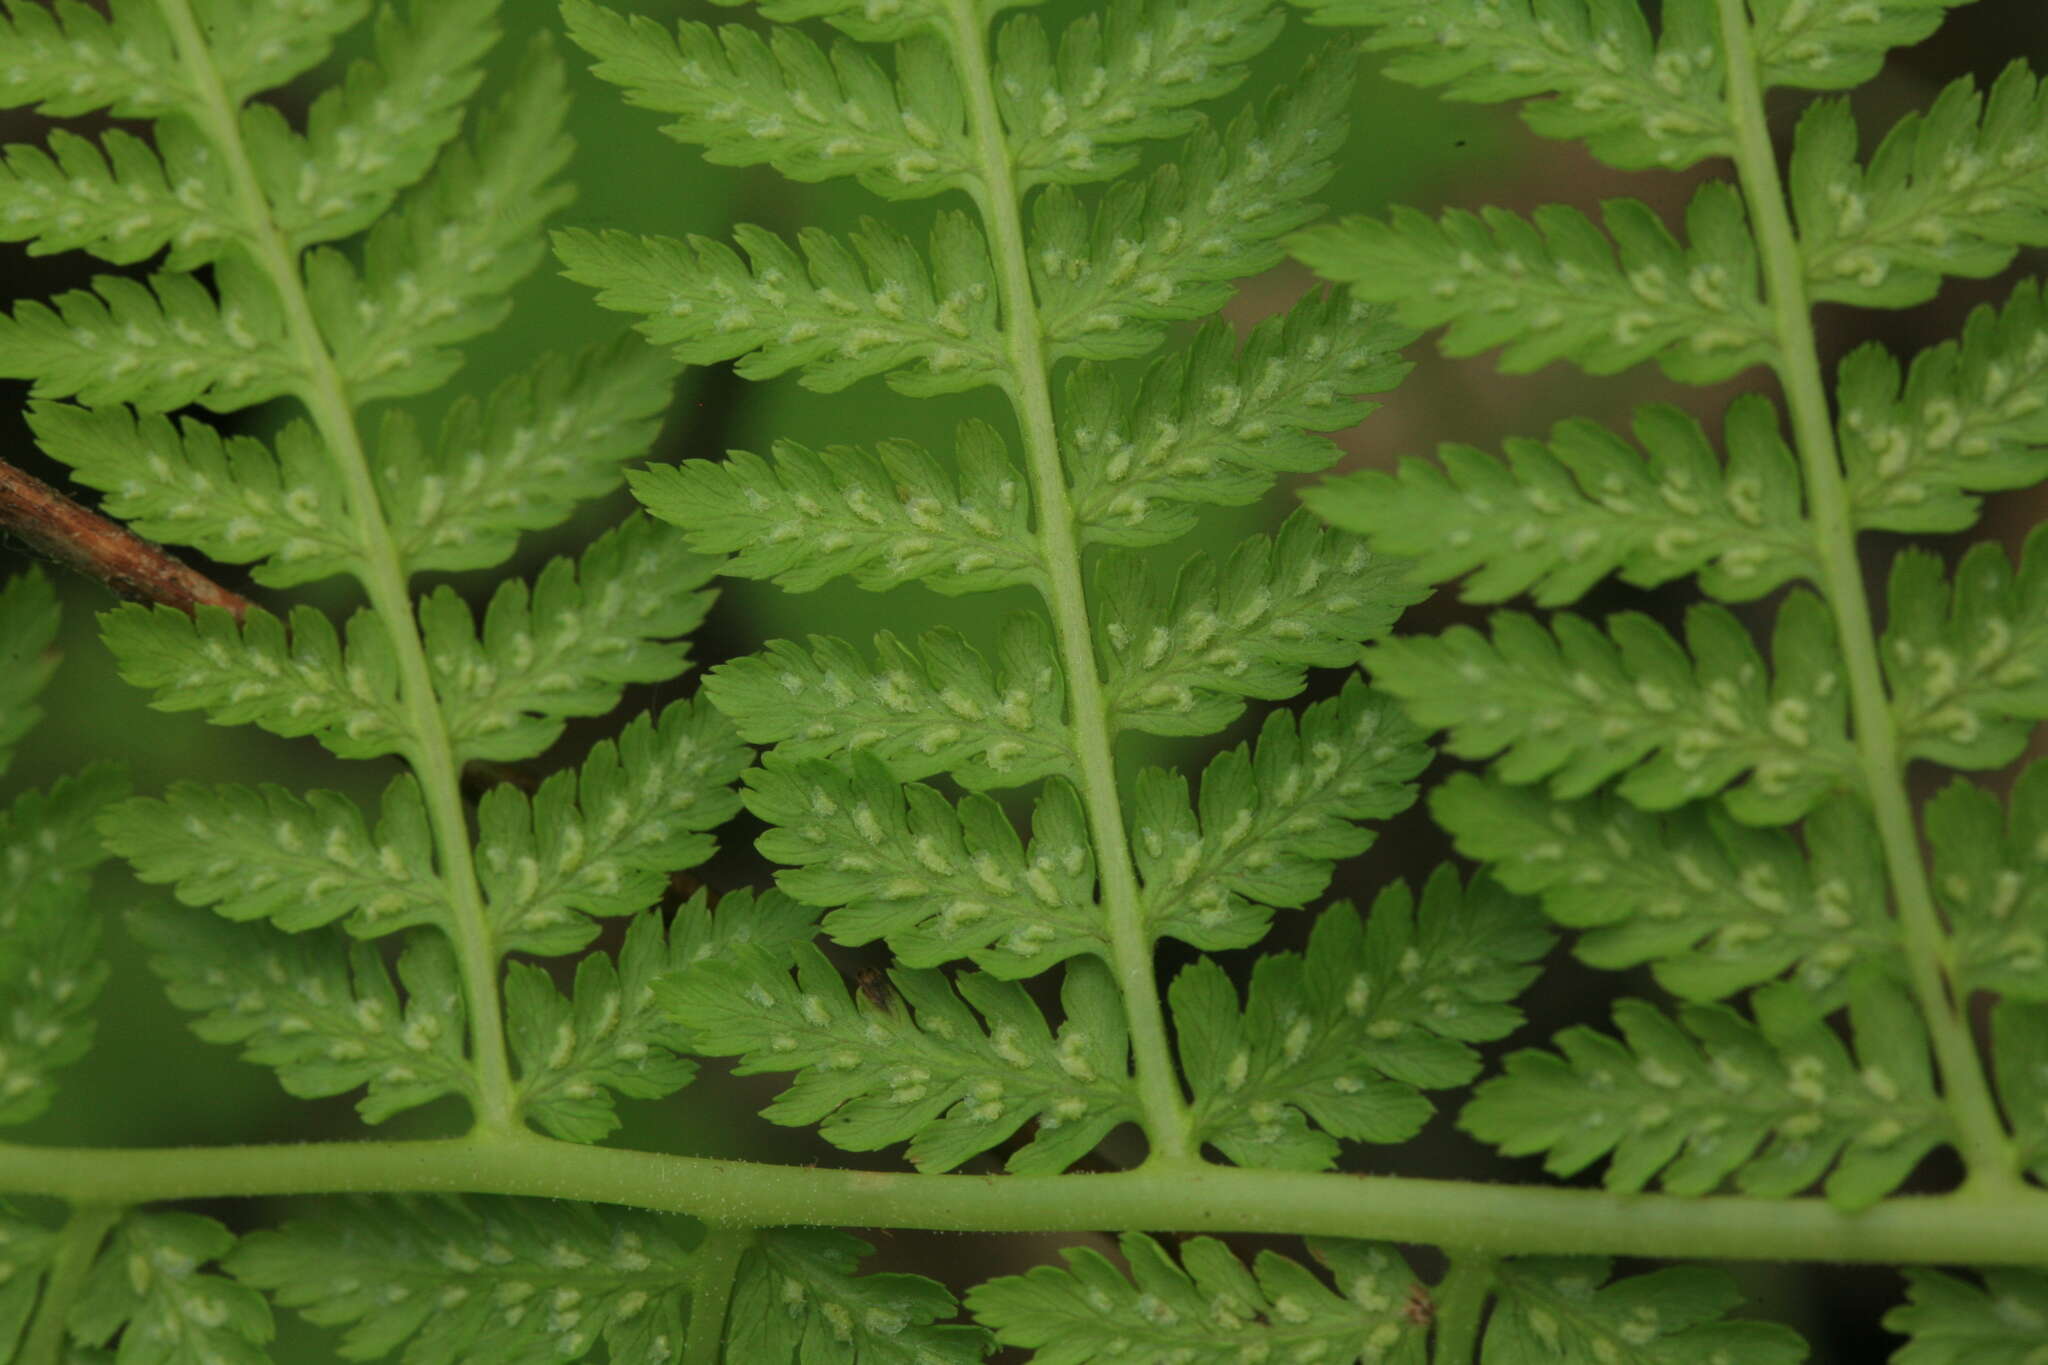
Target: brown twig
82,540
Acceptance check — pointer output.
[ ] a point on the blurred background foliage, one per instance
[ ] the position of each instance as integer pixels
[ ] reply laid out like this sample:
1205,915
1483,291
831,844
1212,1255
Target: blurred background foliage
149,1082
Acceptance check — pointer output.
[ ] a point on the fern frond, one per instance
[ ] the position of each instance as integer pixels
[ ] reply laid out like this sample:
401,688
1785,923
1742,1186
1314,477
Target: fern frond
899,515
435,272
936,707
1208,1309
28,627
1970,417
2019,1054
1345,1036
1550,1309
1168,247
547,440
1128,75
1716,905
840,312
1831,47
1953,192
610,1035
939,881
1180,665
783,102
51,970
1636,98
912,1062
74,59
567,646
281,508
1271,819
1213,425
1557,517
26,1250
116,198
266,854
161,345
1775,1104
1949,1320
1583,706
258,45
604,840
797,1297
1549,287
378,130
1968,662
148,1283
1988,884
321,1010
469,1281
301,684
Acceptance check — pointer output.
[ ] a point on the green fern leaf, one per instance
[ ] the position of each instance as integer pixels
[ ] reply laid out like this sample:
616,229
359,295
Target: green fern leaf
785,103
116,199
547,440
939,881
603,841
796,1297
236,499
1214,425
318,1008
1271,819
28,627
837,313
435,272
939,706
300,863
1954,1321
377,131
161,345
1775,1103
911,1062
148,1284
1833,46
1125,76
1584,706
1549,288
301,685
1209,1309
900,515
1968,667
1970,416
258,45
2019,1052
480,1281
1637,99
75,59
1717,906
1988,884
567,646
1181,665
1552,1310
611,1036
1942,195
1345,1037
51,971
26,1251
1167,248
1557,517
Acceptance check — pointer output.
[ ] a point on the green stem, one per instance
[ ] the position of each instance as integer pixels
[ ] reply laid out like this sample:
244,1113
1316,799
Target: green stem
1981,1138
1460,1303
713,1267
325,393
78,1245
1130,942
1473,1217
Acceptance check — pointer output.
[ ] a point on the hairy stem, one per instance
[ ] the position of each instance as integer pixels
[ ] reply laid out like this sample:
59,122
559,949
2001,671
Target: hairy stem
1980,1136
78,1246
1460,1303
1475,1218
1030,388
713,1267
382,571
